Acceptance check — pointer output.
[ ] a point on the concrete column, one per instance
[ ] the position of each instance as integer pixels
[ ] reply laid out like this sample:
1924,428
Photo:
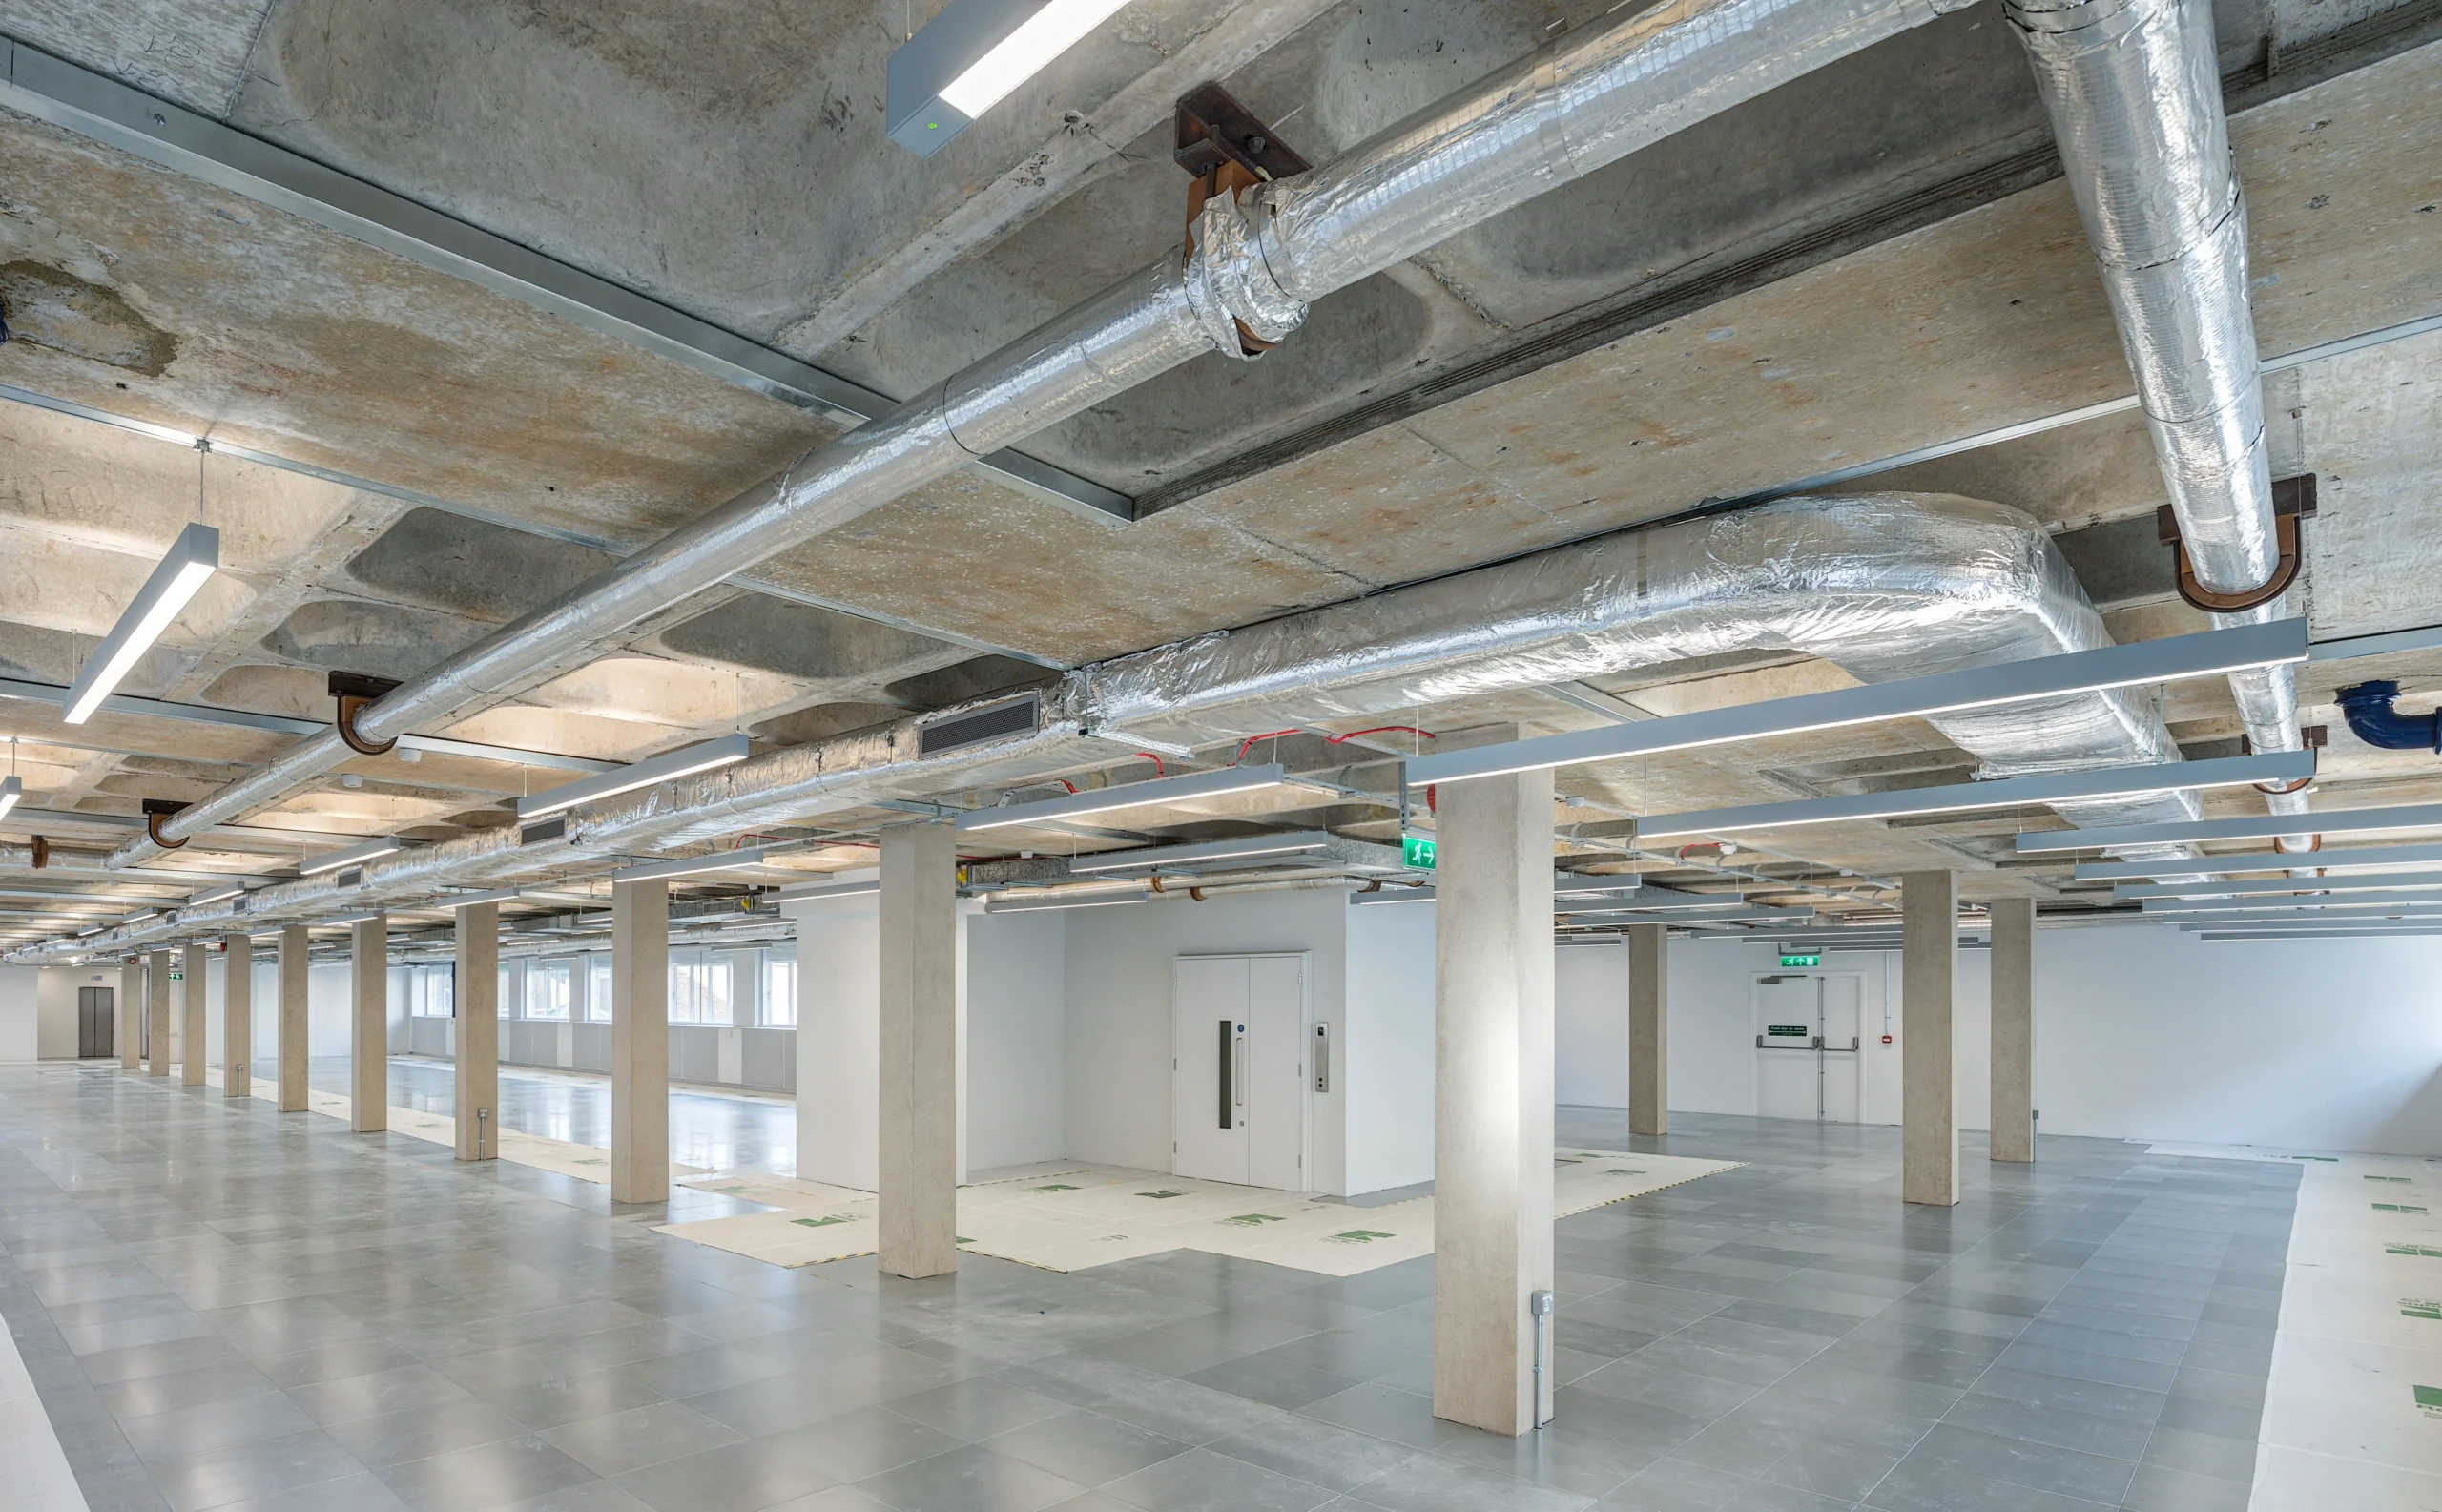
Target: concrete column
640,1041
1492,1132
157,1013
1648,1029
1928,1069
292,1018
131,1016
476,994
368,1035
190,1015
238,1017
2013,1028
919,1145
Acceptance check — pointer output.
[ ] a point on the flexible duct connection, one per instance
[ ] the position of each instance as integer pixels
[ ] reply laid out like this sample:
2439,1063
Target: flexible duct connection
2371,718
1580,103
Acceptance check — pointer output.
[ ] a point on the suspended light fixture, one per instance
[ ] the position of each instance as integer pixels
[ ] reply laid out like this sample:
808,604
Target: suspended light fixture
195,556
11,789
1194,785
703,756
970,56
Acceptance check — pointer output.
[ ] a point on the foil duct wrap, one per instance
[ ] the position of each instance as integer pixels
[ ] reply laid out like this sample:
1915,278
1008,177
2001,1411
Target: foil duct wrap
1886,585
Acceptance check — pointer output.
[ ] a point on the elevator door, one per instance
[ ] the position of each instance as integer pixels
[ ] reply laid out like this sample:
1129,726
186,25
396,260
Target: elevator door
1238,1083
95,1013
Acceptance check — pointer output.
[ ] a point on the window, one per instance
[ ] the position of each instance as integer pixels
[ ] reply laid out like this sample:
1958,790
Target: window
431,991
548,990
506,996
781,988
699,987
597,989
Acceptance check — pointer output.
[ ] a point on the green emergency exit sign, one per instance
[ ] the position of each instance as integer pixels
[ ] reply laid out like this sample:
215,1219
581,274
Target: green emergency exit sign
1801,961
1417,853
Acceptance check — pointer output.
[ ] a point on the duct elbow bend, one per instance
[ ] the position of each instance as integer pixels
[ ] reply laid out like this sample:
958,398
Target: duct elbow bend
2371,718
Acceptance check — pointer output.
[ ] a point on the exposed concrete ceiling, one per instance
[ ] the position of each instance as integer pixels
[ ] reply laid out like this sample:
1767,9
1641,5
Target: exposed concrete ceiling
1872,261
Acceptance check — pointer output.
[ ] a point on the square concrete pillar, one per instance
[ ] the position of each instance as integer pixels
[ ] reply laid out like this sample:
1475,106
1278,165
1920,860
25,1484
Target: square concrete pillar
157,1013
294,942
368,1036
919,1138
640,1041
191,1036
1492,1132
1648,1029
131,1016
476,996
238,1016
2013,1028
1928,1068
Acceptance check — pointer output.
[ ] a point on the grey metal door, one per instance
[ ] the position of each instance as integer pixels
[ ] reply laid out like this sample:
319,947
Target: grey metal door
94,1020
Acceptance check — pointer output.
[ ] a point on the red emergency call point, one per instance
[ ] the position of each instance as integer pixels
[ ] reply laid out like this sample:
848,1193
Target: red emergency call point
1886,1038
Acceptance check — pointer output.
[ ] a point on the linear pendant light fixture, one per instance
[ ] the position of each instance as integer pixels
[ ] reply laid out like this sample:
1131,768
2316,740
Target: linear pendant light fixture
195,556
353,856
1210,851
970,56
689,865
11,789
2325,860
708,755
1128,796
2260,827
1966,797
2210,653
2308,887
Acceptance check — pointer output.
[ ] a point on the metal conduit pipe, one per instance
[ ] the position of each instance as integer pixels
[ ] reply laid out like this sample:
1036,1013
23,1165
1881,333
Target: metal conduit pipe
2134,91
1578,104
1885,586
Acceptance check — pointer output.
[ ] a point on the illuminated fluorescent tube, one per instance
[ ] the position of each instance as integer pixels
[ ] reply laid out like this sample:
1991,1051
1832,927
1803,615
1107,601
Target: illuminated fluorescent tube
724,751
354,855
11,790
969,56
689,865
1128,796
195,556
1208,851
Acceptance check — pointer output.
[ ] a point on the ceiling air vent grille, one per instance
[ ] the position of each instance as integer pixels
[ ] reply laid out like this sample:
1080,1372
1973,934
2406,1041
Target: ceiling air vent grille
543,830
1016,717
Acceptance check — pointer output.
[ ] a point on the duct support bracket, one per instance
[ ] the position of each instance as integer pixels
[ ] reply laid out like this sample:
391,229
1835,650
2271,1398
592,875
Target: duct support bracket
353,690
1227,148
41,849
156,810
2293,500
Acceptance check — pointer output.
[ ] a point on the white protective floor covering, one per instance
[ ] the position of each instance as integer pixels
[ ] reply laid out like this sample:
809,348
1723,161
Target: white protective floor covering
1071,1217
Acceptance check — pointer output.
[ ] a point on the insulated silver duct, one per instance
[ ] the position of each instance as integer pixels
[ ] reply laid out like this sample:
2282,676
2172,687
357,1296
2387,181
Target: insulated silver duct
1886,585
2134,91
1576,105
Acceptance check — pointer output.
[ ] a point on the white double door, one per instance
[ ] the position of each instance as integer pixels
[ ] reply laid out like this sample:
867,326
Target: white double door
1238,1103
1810,1056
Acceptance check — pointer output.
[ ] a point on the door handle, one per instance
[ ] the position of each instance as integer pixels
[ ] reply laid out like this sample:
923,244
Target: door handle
1240,1077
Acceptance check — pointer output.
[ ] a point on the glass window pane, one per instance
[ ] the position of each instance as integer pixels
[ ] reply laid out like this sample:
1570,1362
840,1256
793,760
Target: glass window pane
779,989
546,990
508,993
597,989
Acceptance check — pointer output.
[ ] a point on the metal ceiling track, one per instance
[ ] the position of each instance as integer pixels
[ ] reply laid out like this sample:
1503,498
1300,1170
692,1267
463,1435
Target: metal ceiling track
90,104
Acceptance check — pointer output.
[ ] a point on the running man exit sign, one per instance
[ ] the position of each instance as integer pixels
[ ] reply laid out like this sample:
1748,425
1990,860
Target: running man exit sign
1417,853
1801,961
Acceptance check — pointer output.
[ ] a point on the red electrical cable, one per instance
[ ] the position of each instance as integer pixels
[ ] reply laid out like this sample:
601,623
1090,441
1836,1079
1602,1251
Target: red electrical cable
1065,784
1249,740
1382,729
1156,761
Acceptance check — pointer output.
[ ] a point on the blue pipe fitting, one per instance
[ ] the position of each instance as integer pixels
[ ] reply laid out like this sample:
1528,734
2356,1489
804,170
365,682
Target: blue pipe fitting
2368,709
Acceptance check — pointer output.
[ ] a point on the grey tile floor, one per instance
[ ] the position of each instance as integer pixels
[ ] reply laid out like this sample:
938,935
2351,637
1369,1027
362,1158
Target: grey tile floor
225,1307
716,1131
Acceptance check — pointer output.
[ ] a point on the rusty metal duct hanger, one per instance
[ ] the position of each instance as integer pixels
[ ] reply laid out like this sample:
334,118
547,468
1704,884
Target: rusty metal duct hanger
1261,258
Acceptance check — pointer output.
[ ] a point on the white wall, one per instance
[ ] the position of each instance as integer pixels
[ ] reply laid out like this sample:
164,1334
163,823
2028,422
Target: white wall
55,1008
838,1040
2140,1034
1017,1056
20,993
1119,1006
1590,1024
1384,1055
329,1009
